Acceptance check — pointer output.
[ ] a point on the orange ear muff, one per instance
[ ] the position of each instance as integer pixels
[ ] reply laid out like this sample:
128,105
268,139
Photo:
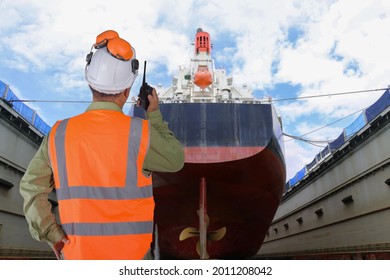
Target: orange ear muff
104,37
120,48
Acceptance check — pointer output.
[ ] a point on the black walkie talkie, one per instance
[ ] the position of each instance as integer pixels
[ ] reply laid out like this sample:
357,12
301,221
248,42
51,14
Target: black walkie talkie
144,91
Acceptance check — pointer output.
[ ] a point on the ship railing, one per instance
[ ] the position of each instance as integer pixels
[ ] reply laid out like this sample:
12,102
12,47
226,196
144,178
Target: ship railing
208,100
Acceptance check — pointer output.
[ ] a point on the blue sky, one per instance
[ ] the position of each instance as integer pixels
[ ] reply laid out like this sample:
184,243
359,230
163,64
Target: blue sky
280,48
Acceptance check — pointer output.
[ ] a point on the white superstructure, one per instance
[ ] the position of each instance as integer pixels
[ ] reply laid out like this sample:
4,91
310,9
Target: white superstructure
201,82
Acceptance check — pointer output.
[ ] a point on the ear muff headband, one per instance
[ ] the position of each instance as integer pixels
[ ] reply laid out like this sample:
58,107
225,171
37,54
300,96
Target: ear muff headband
120,48
103,38
116,46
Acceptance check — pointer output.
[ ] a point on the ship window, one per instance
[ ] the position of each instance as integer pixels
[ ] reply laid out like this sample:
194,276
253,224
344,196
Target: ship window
286,226
347,199
300,220
4,184
387,182
202,68
202,41
319,212
275,230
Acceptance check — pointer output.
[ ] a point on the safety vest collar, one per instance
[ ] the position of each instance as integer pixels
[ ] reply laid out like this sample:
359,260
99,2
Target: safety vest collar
98,105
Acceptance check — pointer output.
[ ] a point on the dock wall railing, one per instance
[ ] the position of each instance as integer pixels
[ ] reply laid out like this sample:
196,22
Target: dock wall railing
364,118
26,112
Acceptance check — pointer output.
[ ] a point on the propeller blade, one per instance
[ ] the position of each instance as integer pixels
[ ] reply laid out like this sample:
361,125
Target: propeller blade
216,235
188,232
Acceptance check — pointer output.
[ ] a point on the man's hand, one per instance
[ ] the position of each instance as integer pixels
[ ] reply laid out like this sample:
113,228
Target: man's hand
153,101
57,247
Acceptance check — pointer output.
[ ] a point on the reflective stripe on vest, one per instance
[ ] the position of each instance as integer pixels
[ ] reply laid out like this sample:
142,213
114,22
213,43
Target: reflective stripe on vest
96,229
129,207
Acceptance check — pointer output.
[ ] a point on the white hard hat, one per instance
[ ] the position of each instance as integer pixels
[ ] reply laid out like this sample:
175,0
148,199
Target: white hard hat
107,70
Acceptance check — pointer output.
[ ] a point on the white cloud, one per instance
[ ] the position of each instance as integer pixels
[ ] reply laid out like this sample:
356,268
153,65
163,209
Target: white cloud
353,35
56,33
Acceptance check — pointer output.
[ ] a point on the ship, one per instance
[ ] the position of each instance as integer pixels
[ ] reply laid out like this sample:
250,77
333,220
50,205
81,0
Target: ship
221,204
338,205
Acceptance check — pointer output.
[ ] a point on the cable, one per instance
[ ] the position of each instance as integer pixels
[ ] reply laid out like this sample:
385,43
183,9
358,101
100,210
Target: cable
273,100
310,141
330,94
59,101
293,137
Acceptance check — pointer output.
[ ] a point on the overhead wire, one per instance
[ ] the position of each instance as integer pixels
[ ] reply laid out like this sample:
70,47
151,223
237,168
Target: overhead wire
310,141
306,140
273,100
56,101
292,137
328,95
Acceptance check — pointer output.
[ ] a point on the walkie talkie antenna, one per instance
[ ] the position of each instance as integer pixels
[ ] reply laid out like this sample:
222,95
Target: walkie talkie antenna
143,79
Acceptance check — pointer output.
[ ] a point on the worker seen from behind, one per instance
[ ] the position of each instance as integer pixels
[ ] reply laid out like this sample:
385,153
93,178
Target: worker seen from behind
100,164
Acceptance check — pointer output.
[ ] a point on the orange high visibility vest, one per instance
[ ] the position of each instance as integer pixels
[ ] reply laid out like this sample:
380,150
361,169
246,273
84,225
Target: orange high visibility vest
105,202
